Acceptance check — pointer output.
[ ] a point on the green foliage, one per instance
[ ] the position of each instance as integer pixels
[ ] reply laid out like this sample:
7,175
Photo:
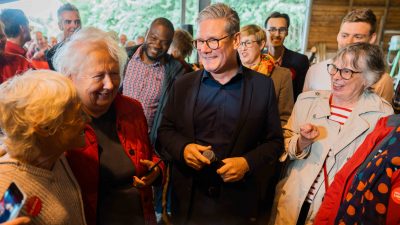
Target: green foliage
132,17
256,11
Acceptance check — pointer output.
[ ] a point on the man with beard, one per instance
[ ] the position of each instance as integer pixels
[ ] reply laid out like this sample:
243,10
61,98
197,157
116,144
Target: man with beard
149,76
10,64
277,29
69,21
16,27
151,72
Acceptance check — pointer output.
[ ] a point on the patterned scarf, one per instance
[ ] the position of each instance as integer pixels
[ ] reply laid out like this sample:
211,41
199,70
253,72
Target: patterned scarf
266,65
368,197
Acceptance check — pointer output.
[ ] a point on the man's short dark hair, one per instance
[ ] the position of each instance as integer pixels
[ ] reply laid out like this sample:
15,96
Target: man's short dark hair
12,20
278,15
361,15
66,7
164,22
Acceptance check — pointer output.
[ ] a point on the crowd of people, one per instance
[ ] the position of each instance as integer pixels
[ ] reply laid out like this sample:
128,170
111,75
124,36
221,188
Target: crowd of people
96,129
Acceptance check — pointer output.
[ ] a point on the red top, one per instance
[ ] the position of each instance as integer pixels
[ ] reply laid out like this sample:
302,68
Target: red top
343,179
14,49
11,64
132,132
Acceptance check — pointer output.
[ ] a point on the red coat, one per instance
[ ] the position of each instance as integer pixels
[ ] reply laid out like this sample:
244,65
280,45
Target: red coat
11,65
14,49
132,132
340,186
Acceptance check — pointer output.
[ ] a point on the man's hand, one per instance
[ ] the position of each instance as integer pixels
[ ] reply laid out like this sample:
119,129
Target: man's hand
192,154
149,178
308,133
18,221
234,169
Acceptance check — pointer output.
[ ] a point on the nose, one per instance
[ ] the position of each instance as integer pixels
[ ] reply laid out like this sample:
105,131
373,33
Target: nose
109,83
337,75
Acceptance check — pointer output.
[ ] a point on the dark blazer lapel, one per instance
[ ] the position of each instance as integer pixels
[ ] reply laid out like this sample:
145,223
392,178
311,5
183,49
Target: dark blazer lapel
245,105
193,91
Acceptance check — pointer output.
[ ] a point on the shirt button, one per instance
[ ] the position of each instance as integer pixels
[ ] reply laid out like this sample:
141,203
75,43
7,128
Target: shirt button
131,152
314,116
317,93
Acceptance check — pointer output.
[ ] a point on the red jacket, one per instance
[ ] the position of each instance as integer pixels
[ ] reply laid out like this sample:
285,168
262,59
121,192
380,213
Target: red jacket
340,186
14,49
132,132
11,65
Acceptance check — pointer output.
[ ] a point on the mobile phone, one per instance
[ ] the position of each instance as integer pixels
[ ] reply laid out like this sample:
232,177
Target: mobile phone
11,203
153,167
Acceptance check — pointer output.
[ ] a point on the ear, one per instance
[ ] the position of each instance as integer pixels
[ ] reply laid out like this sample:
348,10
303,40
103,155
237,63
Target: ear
22,29
236,40
372,39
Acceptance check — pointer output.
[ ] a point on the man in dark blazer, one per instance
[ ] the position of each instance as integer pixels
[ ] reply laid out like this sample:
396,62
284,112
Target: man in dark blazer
228,110
277,29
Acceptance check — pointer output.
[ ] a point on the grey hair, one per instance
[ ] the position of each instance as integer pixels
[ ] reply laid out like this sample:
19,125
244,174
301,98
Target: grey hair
221,11
70,55
1,26
365,57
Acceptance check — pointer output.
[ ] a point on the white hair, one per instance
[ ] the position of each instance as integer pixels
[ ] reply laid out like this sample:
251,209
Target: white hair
74,52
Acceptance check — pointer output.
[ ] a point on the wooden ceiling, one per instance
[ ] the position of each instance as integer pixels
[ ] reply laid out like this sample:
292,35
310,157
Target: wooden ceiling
326,17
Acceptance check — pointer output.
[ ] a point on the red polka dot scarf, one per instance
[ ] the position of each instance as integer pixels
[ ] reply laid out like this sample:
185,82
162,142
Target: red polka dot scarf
369,193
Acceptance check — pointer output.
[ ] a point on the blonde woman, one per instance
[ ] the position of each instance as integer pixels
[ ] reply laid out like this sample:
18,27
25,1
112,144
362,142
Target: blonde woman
41,117
252,42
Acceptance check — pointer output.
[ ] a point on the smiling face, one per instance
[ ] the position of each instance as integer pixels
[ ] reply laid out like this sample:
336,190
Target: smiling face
223,58
276,39
70,22
355,32
250,49
157,42
348,90
97,82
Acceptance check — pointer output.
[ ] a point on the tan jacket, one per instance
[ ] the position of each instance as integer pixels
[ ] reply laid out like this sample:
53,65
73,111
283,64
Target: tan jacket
335,144
282,79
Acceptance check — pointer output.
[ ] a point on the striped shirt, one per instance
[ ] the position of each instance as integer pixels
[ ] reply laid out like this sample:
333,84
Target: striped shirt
143,82
339,115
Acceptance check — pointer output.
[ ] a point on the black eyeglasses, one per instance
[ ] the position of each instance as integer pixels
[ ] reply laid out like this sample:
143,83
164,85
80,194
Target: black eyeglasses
212,43
247,44
280,30
345,73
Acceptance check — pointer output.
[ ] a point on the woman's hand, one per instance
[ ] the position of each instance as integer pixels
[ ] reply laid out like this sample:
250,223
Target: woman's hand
149,178
308,133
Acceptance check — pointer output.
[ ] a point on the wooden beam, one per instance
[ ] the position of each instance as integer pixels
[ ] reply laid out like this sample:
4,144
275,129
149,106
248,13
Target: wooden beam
382,23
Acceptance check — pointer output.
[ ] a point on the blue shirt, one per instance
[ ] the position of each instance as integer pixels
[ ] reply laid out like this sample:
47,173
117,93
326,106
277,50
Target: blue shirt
217,111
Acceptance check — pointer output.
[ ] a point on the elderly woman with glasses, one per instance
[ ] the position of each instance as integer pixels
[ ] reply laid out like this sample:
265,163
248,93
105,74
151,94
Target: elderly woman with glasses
325,129
252,42
41,117
116,168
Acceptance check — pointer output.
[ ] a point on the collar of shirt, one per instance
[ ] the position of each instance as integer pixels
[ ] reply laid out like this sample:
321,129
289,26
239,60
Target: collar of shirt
139,52
15,49
208,78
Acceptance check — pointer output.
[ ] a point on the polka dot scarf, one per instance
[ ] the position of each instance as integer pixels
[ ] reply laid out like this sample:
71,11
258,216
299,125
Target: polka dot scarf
369,193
